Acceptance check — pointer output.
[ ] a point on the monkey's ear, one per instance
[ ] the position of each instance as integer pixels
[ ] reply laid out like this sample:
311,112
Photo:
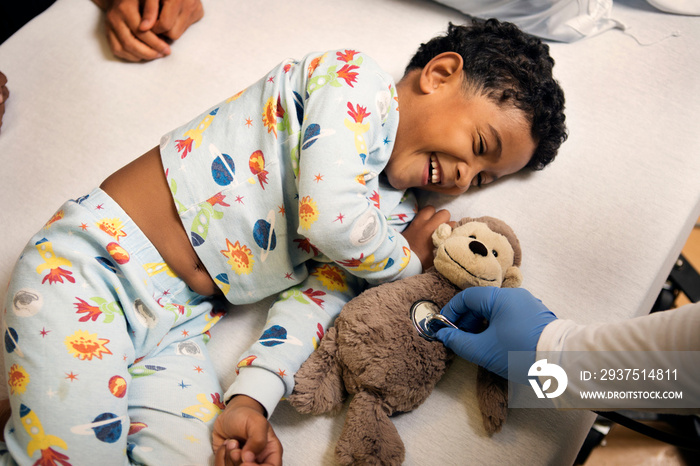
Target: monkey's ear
513,278
441,234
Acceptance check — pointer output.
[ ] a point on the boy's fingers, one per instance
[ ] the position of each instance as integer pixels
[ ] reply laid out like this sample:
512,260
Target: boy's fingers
256,441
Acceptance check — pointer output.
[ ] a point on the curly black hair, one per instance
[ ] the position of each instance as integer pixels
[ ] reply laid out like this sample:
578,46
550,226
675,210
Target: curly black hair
509,67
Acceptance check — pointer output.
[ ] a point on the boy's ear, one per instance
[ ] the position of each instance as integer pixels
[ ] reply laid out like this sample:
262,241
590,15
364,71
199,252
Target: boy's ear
442,68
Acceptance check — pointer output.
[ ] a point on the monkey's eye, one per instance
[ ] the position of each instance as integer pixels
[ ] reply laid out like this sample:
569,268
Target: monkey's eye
495,253
472,236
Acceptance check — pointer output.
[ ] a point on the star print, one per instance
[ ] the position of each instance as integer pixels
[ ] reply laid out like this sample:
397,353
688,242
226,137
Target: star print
318,178
83,226
340,218
386,141
185,333
281,373
50,393
192,439
71,376
44,332
99,207
249,122
282,210
183,385
271,79
288,275
198,369
239,199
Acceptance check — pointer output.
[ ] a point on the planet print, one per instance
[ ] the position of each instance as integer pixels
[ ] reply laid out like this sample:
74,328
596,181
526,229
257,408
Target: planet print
277,335
310,135
117,386
223,170
107,427
27,302
10,339
118,253
264,235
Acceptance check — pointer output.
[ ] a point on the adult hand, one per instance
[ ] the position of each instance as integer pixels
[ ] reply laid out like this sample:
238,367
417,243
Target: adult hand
137,36
4,94
243,436
174,18
515,318
419,233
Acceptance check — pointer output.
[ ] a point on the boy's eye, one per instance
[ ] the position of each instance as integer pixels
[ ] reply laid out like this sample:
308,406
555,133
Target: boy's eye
482,147
479,180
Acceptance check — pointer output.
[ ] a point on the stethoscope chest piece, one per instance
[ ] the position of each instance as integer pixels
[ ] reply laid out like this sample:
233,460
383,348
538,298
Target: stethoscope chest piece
427,319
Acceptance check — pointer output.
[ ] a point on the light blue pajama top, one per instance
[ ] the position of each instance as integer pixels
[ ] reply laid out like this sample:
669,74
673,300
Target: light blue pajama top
280,190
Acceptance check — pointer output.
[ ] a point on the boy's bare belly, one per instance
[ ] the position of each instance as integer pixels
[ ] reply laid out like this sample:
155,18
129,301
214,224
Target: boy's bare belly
141,189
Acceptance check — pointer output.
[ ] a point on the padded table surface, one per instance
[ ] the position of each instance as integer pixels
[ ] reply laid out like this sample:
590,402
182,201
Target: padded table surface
600,228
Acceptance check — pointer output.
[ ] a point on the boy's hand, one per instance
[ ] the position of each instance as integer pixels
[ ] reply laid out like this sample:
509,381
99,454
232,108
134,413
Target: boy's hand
243,436
419,232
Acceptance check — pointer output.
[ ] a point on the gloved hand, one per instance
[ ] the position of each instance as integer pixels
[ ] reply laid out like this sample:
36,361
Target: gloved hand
516,320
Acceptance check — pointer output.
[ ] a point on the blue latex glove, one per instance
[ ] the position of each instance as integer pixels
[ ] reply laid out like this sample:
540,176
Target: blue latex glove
516,320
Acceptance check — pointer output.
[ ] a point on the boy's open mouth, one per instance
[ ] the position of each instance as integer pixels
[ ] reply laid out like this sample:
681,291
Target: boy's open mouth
435,173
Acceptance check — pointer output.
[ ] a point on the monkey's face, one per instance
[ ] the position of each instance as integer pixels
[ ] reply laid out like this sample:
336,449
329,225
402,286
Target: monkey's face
473,255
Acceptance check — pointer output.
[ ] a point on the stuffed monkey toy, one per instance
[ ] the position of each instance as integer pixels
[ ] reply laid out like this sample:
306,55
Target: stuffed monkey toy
374,353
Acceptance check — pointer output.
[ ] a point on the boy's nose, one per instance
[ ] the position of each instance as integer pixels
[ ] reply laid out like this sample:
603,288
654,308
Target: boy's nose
463,176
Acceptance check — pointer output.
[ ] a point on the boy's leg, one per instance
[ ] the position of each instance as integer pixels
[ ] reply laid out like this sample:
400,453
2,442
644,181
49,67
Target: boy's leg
173,405
83,312
67,348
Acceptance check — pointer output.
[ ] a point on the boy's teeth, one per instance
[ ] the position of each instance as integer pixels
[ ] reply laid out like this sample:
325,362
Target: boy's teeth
435,170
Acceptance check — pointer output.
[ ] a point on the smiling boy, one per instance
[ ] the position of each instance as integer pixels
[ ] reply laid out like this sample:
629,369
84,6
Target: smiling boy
298,187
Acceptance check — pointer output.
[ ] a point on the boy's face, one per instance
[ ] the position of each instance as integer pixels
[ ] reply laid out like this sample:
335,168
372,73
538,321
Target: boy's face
448,141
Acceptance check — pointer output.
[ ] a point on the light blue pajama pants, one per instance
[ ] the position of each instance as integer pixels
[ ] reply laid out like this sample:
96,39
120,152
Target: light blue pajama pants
105,351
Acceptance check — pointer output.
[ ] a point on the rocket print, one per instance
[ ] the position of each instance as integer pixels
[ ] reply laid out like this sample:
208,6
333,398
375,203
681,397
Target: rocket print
194,136
53,263
41,441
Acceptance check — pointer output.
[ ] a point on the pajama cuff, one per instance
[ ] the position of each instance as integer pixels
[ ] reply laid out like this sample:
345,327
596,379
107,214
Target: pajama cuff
414,267
263,386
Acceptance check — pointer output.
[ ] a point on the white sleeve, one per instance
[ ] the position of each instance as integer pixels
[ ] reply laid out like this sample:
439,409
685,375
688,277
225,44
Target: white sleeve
663,335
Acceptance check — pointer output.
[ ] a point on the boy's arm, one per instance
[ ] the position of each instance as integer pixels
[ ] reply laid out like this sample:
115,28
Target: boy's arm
350,121
296,323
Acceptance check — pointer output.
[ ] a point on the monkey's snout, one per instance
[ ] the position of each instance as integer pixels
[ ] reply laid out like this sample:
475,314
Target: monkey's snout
478,248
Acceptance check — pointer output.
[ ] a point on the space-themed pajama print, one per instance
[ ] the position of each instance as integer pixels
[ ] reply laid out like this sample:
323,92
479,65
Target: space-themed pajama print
105,351
280,189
